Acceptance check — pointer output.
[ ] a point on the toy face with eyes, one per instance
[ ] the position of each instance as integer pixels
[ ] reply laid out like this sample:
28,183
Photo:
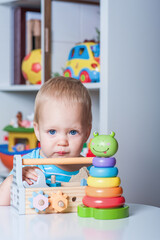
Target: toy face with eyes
104,145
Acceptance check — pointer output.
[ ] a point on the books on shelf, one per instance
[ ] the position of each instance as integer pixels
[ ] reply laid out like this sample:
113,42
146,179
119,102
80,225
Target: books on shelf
33,31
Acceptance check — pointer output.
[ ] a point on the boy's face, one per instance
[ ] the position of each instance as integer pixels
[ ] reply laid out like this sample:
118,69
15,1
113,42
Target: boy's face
61,130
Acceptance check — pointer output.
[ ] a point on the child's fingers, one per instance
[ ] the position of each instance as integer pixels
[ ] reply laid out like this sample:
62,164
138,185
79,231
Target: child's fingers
30,173
27,180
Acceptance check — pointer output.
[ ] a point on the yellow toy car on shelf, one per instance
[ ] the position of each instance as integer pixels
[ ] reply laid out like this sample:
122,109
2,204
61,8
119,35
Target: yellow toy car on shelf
84,62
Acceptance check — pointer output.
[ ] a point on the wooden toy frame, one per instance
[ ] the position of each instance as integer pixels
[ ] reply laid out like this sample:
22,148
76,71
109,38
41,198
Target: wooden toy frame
20,195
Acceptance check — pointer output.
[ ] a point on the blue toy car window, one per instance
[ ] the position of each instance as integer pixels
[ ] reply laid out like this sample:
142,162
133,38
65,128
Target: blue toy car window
72,52
82,52
95,50
79,52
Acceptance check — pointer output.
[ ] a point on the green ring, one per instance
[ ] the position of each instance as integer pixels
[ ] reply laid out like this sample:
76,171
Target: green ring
103,213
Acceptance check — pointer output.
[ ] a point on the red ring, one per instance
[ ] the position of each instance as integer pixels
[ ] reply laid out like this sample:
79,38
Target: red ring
100,202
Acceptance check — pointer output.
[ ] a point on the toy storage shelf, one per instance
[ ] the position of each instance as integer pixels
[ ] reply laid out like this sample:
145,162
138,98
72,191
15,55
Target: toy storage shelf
22,96
46,12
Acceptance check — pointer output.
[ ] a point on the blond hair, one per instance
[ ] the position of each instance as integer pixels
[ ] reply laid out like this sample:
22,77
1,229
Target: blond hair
64,88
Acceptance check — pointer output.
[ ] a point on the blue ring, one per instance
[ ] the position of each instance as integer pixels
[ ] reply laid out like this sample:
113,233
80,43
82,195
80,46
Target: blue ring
103,172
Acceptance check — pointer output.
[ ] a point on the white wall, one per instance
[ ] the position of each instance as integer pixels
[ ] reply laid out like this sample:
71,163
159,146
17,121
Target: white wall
134,95
5,44
73,23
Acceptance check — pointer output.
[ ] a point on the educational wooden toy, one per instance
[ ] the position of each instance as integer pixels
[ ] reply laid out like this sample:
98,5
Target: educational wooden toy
41,197
103,199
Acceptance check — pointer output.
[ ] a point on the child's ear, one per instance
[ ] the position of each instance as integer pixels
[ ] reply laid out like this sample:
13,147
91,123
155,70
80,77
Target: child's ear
36,130
88,132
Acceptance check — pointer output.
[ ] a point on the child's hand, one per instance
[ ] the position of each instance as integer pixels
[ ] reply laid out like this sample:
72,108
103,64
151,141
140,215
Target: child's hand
29,174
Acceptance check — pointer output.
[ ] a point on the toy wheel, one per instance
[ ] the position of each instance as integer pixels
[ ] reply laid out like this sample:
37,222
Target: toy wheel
58,201
67,73
84,77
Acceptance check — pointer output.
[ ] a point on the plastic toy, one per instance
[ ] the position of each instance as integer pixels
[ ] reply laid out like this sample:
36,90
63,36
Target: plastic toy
20,133
7,156
15,146
104,145
103,199
23,123
21,139
89,153
31,67
83,62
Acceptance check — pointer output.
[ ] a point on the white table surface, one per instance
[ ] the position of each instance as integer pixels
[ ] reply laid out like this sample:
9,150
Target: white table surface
143,223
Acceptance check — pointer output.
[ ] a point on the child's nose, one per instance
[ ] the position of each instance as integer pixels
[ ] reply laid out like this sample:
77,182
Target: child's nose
63,141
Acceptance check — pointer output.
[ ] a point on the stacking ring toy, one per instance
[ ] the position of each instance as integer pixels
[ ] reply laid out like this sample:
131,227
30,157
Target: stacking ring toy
103,213
103,172
103,182
103,192
103,202
104,162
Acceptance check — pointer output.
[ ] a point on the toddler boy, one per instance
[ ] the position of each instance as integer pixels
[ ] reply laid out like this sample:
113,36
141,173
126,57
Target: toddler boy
62,124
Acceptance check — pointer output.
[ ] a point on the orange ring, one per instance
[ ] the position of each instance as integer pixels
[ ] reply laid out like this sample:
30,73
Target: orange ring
103,192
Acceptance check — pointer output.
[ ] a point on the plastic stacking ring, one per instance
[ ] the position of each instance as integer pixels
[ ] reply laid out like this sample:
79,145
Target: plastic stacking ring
103,213
103,192
103,182
103,202
103,172
104,162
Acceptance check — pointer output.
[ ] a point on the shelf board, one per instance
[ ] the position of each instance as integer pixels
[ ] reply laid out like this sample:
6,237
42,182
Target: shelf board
37,3
30,88
80,1
22,3
92,86
19,88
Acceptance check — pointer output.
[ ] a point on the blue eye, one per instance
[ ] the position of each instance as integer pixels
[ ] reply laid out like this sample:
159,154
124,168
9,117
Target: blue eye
73,132
52,132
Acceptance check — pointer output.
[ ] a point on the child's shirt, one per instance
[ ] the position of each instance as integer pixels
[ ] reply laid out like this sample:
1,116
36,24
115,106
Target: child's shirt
48,170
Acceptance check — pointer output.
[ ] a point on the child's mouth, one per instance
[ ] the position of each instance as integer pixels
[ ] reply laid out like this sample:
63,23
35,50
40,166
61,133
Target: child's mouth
61,153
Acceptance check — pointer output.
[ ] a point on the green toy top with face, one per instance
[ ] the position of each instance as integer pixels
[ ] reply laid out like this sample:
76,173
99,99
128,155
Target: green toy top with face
104,145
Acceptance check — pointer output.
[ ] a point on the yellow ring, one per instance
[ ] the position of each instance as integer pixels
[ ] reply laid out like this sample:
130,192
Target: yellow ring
103,182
